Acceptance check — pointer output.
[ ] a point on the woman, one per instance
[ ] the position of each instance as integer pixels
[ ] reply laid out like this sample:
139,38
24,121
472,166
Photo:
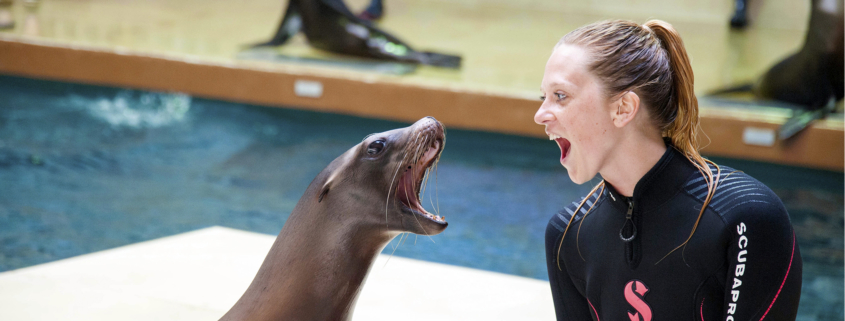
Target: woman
666,235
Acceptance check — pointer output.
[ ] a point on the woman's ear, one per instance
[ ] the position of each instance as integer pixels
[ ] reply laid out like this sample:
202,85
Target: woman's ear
627,107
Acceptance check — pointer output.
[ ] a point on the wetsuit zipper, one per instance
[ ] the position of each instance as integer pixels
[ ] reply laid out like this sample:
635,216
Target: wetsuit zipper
628,221
628,234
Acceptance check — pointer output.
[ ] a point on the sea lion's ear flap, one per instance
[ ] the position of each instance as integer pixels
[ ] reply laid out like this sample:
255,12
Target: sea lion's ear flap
323,193
335,176
327,185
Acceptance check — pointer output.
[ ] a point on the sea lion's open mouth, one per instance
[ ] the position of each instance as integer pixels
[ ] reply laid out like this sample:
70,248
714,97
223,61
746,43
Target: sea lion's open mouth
409,187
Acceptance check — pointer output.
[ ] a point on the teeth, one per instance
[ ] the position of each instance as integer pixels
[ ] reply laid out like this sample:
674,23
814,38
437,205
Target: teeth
553,137
435,217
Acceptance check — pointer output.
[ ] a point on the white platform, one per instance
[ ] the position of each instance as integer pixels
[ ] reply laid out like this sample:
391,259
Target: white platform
199,275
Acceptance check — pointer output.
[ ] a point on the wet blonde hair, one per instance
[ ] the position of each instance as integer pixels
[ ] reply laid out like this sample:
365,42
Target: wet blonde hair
651,61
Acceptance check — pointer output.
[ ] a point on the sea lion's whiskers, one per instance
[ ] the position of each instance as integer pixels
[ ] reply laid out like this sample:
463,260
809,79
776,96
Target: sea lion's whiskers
436,195
415,159
416,139
424,185
394,248
413,175
436,167
392,245
428,177
423,228
390,190
403,237
437,207
428,171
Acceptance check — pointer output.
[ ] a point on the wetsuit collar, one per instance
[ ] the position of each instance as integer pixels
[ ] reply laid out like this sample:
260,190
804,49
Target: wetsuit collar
658,185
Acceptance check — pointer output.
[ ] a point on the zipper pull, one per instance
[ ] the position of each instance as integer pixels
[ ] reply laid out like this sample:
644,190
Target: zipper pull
628,219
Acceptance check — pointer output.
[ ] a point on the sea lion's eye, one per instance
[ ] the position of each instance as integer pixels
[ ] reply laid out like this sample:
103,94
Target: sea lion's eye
375,147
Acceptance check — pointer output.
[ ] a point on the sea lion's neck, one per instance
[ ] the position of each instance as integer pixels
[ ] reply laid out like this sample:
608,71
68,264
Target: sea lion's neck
314,270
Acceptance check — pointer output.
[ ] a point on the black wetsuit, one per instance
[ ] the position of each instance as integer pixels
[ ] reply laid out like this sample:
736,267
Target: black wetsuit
741,264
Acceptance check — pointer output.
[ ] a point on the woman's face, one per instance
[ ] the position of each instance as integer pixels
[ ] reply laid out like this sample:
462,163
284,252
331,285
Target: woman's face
576,113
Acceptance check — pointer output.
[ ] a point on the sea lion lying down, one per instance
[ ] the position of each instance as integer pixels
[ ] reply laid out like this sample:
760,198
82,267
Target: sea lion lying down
349,213
330,26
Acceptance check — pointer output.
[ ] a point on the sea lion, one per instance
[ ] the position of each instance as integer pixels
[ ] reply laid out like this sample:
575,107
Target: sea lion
810,81
813,76
329,25
347,215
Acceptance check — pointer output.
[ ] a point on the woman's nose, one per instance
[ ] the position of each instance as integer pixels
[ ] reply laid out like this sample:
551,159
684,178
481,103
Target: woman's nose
543,115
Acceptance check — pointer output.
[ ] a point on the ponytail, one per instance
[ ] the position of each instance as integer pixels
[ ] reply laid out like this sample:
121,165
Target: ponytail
684,126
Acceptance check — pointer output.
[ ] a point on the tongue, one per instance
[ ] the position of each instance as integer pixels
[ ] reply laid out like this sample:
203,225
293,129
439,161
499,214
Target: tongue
563,143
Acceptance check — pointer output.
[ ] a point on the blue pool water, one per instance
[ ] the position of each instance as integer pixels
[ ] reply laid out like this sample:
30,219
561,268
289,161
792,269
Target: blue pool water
86,168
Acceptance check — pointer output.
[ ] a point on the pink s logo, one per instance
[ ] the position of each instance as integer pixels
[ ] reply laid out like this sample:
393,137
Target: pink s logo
634,292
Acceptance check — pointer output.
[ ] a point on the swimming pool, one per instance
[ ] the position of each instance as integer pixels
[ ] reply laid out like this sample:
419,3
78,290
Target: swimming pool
86,168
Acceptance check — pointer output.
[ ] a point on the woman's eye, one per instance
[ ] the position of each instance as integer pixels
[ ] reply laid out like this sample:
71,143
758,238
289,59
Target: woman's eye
543,98
560,96
375,147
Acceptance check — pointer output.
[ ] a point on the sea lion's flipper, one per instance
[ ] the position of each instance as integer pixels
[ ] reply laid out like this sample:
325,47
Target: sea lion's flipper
741,88
383,45
740,18
803,118
440,60
290,25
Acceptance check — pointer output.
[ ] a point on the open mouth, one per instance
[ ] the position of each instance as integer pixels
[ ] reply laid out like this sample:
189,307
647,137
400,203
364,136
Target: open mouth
564,145
410,184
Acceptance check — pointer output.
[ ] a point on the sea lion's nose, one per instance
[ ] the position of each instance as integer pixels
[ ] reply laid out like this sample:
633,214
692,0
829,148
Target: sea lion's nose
427,119
426,123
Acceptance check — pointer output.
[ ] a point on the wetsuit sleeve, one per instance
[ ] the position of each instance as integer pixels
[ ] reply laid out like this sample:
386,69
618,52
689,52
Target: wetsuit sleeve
569,303
764,271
